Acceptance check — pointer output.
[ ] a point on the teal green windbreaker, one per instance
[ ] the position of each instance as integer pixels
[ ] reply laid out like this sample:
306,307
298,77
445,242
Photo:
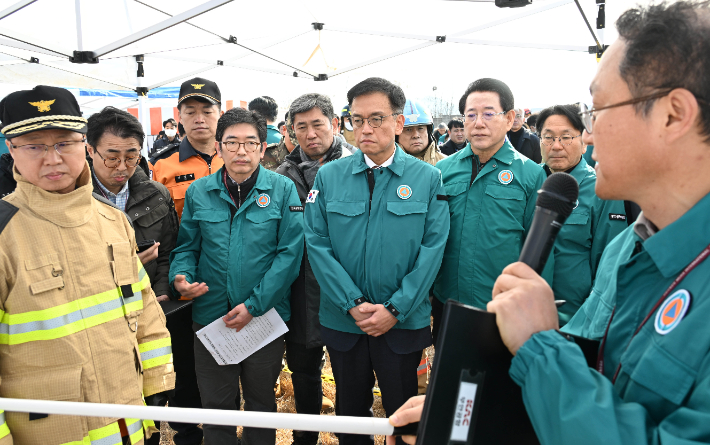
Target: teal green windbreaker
662,393
252,258
578,248
489,221
388,251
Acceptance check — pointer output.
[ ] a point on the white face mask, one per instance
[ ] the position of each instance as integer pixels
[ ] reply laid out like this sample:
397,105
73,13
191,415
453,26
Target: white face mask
170,132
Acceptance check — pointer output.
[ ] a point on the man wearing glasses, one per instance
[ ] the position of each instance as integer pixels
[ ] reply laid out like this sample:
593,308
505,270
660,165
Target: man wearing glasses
651,310
79,319
238,252
492,190
527,143
114,139
593,223
376,226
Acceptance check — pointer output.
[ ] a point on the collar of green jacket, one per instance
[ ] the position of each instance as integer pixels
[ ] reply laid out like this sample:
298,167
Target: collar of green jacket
63,209
215,182
505,154
397,165
663,247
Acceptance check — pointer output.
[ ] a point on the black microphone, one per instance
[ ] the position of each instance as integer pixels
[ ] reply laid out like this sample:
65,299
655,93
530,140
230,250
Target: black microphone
555,202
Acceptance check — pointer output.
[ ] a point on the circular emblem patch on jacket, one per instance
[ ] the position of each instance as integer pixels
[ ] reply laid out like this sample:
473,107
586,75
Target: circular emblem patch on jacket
263,200
505,177
672,311
404,191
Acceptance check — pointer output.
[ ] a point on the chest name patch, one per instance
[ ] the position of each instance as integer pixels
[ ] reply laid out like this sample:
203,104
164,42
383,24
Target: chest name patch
617,217
312,195
185,177
296,208
672,311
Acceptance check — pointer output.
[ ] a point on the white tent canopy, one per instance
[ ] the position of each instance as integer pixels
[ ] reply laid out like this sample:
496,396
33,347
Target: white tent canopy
433,49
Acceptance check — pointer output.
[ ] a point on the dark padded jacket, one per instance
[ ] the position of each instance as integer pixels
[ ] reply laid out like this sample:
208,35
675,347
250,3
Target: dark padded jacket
7,182
153,214
304,326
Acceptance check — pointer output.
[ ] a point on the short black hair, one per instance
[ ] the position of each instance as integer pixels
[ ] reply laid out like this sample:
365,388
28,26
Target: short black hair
667,46
505,95
532,119
309,101
455,123
265,106
117,122
241,116
571,112
394,93
281,124
170,120
181,129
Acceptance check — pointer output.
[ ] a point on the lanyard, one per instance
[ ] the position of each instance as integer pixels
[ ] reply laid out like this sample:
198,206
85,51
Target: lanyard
693,264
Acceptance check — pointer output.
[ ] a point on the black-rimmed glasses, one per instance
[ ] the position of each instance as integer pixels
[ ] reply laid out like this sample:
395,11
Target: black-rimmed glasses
233,146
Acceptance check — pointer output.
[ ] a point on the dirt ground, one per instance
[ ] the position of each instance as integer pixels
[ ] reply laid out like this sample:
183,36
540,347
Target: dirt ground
286,404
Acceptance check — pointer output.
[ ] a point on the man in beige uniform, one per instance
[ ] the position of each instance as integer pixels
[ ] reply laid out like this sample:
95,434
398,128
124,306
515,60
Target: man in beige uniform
78,319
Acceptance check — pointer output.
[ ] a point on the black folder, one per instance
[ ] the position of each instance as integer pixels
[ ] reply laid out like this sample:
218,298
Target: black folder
172,306
471,398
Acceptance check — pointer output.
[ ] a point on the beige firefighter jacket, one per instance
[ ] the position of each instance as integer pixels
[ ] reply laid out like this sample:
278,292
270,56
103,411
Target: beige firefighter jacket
79,321
431,155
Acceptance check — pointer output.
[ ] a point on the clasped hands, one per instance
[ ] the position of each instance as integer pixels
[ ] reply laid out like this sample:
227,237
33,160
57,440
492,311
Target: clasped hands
373,319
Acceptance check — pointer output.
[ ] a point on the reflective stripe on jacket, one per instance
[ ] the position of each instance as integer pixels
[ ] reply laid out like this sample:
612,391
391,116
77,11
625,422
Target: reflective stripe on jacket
78,320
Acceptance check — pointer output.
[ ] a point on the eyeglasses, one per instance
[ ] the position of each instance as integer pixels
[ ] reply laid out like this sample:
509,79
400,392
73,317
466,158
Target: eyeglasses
518,116
373,121
564,140
36,151
233,146
589,115
485,116
113,162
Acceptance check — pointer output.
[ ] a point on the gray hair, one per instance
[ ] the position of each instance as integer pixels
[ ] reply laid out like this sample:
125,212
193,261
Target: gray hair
309,101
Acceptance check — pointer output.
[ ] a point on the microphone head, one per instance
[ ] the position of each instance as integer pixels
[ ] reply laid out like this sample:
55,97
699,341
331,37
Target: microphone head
559,194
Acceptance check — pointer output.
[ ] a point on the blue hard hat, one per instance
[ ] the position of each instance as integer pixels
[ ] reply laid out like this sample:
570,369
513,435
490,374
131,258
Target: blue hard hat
415,113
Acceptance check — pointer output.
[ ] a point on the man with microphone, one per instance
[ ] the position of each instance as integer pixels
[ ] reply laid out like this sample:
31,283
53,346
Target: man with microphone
651,300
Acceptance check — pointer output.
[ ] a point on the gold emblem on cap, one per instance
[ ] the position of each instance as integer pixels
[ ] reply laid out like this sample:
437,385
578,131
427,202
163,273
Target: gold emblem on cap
197,86
42,105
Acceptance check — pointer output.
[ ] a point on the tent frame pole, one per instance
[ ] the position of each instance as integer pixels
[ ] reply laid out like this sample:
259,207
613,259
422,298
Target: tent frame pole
161,26
14,8
79,42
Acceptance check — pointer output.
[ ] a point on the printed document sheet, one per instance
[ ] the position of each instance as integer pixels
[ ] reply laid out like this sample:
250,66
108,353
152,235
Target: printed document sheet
229,347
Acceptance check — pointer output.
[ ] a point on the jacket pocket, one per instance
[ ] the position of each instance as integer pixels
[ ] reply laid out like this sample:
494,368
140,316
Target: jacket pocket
211,216
659,372
145,216
58,384
402,208
504,206
576,229
124,264
455,188
44,273
346,208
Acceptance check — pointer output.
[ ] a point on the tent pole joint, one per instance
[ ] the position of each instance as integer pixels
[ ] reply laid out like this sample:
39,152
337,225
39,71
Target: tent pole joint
320,77
34,60
142,91
232,39
220,63
441,39
84,57
317,26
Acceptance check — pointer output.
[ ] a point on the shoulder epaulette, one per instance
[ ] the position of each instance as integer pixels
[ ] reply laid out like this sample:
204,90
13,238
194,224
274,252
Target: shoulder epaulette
7,211
110,204
163,151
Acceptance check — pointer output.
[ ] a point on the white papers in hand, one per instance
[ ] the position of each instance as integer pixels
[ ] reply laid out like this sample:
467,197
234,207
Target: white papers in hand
229,347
